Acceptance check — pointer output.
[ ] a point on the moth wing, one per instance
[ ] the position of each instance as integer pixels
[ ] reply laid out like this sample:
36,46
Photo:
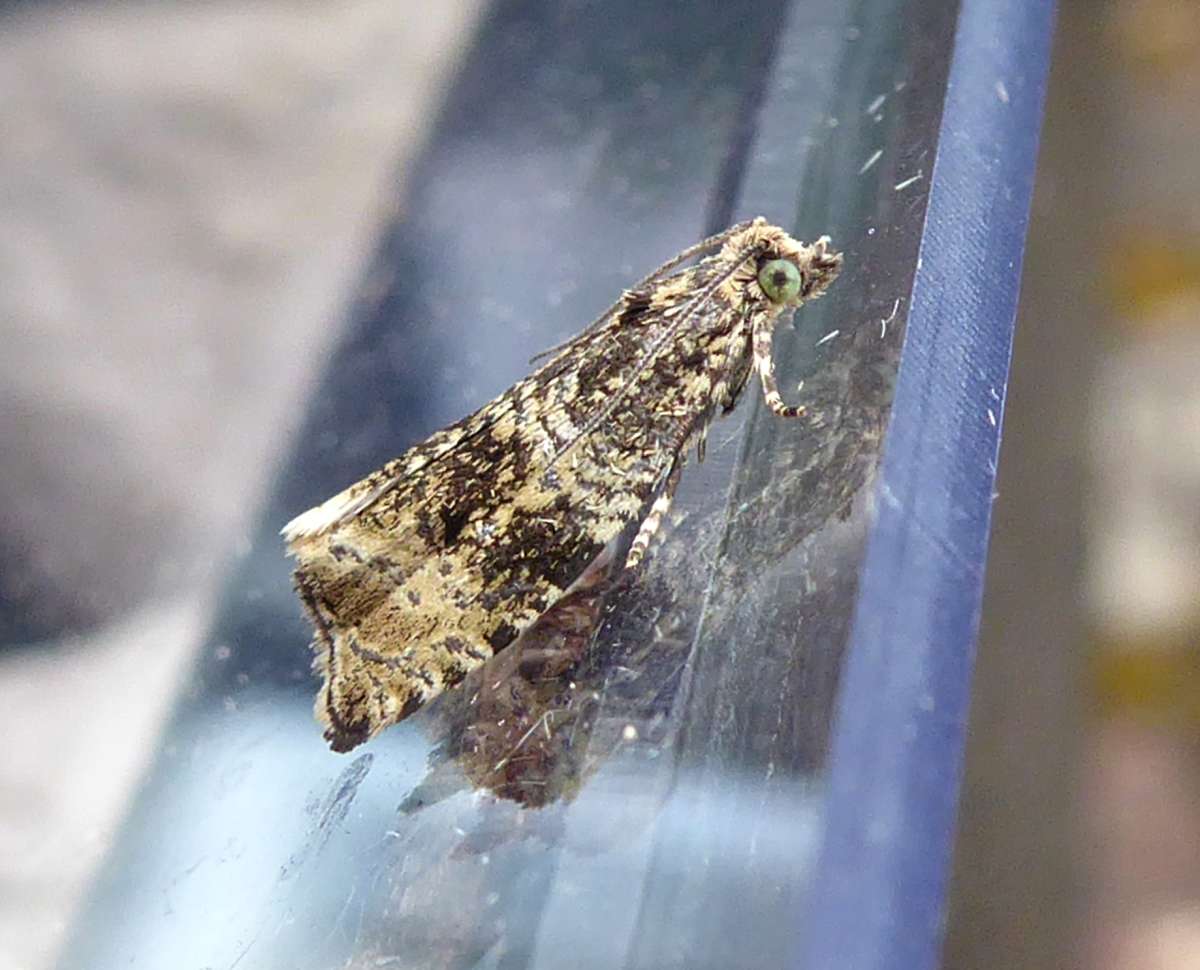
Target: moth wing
392,477
419,573
406,474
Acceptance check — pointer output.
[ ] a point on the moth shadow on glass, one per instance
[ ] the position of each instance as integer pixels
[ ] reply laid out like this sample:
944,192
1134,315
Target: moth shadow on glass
530,725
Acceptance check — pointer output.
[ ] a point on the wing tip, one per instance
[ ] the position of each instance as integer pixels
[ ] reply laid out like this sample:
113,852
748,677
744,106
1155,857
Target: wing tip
318,520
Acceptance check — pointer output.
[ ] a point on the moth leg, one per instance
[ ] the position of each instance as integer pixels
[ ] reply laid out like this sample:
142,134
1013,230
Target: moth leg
650,525
764,363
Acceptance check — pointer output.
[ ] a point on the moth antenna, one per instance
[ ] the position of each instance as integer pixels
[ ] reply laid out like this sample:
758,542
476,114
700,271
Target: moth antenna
694,309
704,245
337,511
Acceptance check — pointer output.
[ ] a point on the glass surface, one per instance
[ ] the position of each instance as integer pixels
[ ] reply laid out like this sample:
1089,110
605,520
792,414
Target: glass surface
658,803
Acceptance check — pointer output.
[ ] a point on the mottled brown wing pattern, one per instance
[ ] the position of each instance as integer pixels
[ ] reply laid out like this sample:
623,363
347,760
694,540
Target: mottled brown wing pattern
420,572
465,541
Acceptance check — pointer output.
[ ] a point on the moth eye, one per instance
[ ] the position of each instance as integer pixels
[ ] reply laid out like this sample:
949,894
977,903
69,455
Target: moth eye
780,280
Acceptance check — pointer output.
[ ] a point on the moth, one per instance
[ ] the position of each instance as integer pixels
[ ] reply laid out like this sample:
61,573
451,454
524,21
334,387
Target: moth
422,571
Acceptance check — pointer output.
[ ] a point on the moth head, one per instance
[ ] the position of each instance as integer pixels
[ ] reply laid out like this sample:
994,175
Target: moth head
824,264
789,279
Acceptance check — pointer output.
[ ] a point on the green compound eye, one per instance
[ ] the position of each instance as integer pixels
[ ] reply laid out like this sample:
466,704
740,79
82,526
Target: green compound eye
780,280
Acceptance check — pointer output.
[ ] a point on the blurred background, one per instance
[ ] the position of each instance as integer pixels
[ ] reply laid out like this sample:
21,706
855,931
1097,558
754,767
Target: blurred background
1079,841
189,191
